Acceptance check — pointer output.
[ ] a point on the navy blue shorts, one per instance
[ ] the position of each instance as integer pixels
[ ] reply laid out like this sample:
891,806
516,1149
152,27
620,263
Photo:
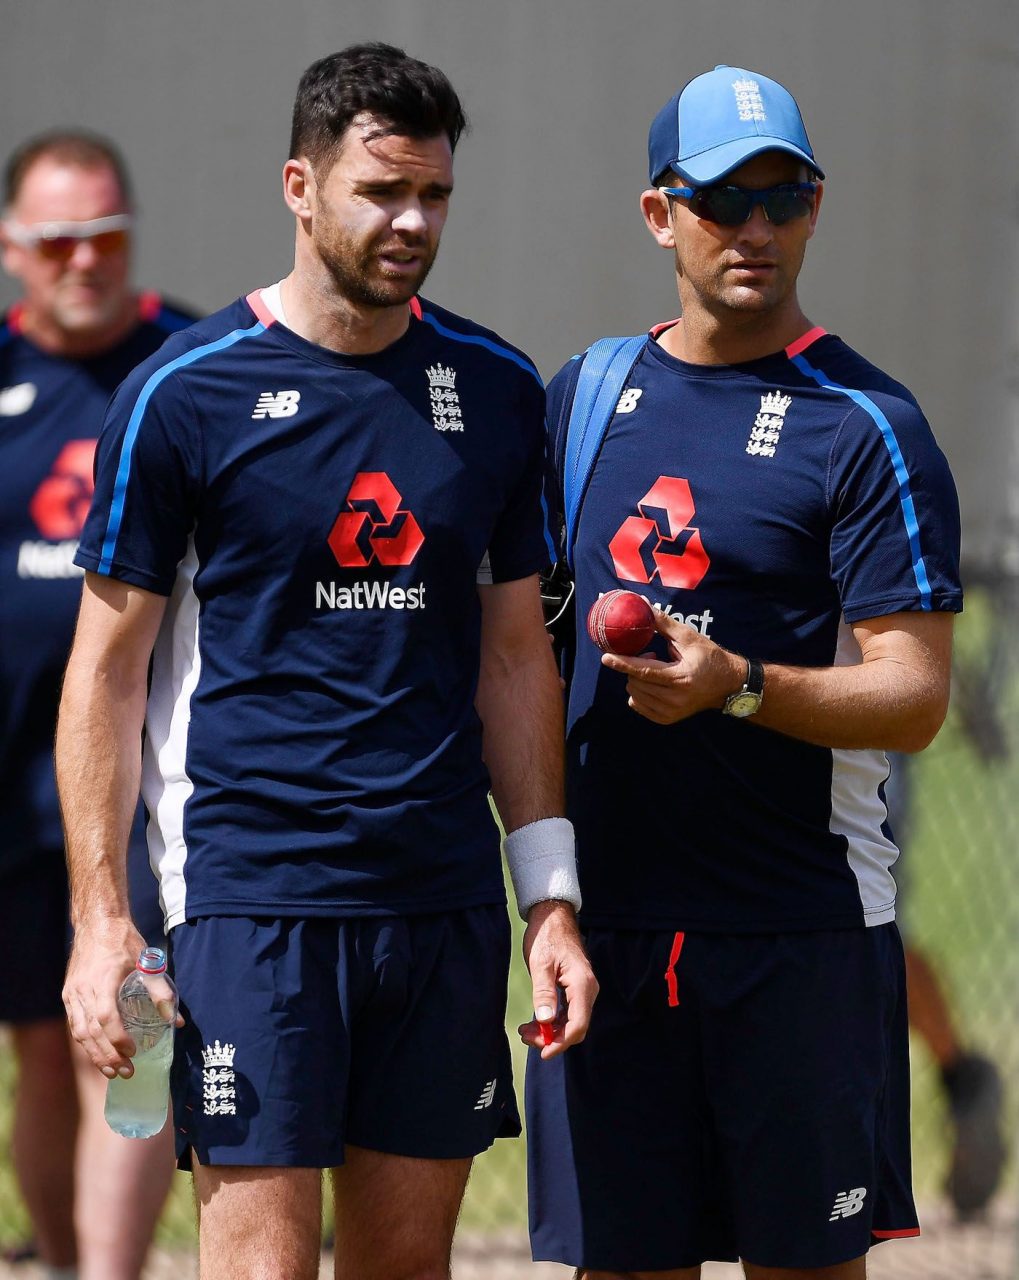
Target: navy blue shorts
304,1035
736,1097
35,930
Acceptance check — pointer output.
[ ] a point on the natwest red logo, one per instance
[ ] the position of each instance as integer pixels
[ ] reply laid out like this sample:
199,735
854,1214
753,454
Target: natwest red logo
660,542
374,527
60,504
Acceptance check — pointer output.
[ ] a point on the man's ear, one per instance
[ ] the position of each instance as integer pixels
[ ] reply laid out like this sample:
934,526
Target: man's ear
817,205
657,214
298,186
8,252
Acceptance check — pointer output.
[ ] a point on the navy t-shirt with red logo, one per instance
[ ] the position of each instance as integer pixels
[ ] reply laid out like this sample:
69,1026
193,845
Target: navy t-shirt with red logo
768,505
51,409
319,522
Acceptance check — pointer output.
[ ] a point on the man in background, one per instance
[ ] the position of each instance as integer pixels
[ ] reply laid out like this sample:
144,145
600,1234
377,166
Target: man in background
93,1197
970,1081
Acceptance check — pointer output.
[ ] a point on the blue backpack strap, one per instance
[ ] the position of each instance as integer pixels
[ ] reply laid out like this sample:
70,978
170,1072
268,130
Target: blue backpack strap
603,375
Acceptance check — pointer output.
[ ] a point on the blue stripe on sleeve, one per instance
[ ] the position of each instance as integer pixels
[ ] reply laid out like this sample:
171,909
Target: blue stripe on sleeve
546,528
477,341
898,465
134,426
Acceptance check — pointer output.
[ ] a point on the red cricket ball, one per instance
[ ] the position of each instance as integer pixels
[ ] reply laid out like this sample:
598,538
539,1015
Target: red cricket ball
621,622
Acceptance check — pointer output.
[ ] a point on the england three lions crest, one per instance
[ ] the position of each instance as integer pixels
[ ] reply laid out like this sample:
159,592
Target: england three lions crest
445,401
219,1084
767,428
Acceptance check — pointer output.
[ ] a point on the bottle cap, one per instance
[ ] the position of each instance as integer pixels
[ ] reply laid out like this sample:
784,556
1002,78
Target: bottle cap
152,960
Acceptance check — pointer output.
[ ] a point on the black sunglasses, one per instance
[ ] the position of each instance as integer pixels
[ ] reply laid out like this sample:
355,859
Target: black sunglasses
732,206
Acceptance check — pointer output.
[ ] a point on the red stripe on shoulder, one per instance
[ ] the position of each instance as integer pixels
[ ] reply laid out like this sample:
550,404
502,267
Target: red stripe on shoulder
15,317
149,305
415,308
660,328
807,340
254,301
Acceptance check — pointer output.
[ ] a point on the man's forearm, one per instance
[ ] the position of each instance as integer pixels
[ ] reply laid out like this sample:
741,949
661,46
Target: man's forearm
98,762
894,698
98,770
520,704
99,731
874,704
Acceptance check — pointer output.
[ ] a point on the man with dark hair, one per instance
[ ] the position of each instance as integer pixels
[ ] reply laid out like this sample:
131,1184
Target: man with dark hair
417,102
318,512
77,332
744,1088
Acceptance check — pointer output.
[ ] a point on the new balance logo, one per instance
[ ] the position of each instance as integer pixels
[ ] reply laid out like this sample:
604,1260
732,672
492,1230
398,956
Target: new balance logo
847,1203
277,404
628,400
487,1096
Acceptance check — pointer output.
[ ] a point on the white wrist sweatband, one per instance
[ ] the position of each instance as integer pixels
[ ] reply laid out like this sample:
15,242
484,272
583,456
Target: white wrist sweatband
542,862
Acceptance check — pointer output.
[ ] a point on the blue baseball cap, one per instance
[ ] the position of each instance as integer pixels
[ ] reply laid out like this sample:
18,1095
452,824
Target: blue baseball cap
720,120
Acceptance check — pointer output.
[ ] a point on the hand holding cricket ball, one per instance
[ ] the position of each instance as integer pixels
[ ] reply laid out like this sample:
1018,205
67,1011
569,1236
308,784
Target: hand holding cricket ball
621,622
697,676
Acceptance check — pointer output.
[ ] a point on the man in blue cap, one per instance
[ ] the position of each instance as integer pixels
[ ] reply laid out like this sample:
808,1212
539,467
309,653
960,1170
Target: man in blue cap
743,1091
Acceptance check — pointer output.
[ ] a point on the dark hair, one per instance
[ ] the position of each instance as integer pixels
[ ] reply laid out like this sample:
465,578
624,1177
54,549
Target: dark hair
408,97
70,147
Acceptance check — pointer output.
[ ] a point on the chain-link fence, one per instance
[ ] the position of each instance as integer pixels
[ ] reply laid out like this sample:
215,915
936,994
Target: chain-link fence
960,911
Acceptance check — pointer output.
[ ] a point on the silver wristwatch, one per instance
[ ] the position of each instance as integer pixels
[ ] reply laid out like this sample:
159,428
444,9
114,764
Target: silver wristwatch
747,701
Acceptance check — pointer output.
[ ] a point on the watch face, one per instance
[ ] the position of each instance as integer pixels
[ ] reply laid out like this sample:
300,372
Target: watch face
742,704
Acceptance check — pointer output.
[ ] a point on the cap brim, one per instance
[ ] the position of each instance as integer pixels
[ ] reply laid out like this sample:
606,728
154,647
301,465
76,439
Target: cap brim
712,165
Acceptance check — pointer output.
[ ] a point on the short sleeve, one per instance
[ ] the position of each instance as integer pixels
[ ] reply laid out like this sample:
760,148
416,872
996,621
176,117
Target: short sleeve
896,532
148,471
520,544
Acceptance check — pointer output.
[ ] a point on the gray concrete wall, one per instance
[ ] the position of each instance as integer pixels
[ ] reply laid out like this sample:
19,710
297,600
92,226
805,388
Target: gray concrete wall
911,105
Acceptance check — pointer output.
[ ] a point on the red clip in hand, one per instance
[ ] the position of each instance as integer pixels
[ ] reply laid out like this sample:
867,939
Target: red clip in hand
547,1032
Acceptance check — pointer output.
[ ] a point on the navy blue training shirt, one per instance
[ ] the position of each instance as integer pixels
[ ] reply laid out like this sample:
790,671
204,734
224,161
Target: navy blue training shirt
318,522
51,410
768,505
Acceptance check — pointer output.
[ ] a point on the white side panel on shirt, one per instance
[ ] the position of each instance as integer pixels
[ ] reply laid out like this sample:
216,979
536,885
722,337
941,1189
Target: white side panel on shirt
166,786
857,811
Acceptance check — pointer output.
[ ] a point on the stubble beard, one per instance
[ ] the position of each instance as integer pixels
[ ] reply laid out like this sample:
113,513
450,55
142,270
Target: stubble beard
358,279
80,319
740,302
747,300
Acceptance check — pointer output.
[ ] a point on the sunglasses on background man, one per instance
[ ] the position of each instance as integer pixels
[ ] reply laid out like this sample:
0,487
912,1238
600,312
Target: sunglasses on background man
57,241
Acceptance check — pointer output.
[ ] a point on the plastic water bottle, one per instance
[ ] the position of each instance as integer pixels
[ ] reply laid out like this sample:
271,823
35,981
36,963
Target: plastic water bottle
147,1000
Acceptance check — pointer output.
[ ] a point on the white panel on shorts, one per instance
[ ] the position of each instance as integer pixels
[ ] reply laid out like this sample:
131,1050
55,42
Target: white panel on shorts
166,786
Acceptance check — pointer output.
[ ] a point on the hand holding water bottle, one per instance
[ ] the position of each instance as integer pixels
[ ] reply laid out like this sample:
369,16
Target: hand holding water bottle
136,1106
